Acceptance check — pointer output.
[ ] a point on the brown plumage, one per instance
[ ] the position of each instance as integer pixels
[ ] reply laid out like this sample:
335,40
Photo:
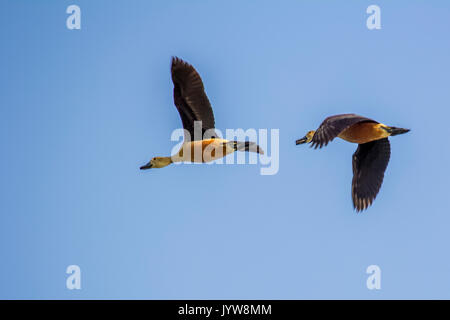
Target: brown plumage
332,126
190,98
371,158
369,163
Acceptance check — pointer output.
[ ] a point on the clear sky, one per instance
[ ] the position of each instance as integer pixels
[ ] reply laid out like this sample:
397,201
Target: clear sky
81,110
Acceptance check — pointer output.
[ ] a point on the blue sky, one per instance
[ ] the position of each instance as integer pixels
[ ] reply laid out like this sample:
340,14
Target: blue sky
81,110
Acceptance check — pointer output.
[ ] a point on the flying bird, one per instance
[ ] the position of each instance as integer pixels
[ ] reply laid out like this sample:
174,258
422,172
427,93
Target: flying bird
371,157
201,143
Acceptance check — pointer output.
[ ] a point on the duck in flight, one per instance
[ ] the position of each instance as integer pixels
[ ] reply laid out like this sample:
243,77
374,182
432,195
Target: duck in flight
371,157
201,143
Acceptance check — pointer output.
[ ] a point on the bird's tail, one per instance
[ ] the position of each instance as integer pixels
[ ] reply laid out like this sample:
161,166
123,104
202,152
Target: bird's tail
247,146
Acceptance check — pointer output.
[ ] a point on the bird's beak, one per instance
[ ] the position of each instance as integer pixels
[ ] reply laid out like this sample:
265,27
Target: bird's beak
301,141
147,166
396,131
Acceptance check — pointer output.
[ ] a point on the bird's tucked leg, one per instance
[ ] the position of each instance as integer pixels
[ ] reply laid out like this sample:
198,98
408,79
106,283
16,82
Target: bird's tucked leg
246,146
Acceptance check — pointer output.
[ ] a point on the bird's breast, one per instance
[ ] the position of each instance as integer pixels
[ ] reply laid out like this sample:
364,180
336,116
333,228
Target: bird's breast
204,150
363,132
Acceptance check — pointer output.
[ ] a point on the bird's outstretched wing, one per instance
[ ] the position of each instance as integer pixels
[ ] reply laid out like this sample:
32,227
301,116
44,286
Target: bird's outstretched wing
190,97
332,126
369,164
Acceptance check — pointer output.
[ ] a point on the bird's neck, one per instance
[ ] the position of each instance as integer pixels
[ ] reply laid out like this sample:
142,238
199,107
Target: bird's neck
165,161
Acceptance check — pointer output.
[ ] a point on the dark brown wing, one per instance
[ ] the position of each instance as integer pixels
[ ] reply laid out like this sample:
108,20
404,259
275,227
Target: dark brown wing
190,97
369,163
332,126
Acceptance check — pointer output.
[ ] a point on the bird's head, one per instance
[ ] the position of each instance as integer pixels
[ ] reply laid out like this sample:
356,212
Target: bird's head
157,162
307,138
